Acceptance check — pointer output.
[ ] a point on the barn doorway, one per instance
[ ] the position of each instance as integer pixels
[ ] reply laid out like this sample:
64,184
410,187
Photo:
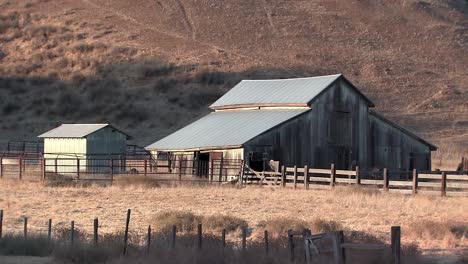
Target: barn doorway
201,164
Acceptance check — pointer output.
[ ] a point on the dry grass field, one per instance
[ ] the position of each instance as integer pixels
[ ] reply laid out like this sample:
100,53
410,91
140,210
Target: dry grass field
436,225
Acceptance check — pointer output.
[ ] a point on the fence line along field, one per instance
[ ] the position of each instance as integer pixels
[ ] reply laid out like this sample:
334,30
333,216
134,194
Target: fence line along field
433,223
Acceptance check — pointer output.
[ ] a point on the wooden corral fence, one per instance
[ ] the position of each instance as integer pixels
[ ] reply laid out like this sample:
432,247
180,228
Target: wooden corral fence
436,182
110,169
329,247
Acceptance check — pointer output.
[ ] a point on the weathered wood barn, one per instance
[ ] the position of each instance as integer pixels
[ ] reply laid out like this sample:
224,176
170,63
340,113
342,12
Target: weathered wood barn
304,121
89,143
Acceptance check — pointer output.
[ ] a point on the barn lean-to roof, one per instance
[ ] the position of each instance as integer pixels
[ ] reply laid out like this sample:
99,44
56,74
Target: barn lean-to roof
225,129
279,92
76,131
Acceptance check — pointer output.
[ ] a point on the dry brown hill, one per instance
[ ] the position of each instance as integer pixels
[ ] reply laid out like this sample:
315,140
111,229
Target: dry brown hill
150,67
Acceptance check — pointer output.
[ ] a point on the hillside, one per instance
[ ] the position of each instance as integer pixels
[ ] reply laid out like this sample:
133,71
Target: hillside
150,67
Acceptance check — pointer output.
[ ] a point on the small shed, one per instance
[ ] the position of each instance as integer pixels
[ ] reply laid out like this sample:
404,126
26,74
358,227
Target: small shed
92,144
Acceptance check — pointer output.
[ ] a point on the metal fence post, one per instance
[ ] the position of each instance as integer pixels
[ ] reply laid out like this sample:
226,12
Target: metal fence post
78,168
221,169
20,160
1,167
146,167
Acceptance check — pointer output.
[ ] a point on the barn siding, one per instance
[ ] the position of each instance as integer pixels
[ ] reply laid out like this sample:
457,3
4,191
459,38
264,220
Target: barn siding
102,145
391,147
66,150
314,137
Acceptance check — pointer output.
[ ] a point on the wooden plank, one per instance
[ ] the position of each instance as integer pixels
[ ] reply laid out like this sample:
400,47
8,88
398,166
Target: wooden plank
322,171
401,183
457,194
364,246
319,179
429,176
346,172
457,177
290,169
429,184
301,170
371,182
457,185
343,180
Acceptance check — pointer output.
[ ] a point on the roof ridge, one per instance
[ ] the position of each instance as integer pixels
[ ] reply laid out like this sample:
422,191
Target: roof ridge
292,79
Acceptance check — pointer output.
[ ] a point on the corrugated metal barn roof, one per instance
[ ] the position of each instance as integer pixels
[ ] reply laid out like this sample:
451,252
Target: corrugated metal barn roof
224,129
273,92
72,130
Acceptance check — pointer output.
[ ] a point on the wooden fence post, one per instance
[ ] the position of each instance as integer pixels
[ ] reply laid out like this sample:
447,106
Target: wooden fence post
43,168
72,232
283,176
20,160
291,245
49,230
295,176
244,238
221,168
111,165
306,177
200,236
1,167
78,168
443,184
95,231
415,181
385,179
56,166
148,240
358,176
180,168
25,229
266,242
127,223
146,167
337,249
223,238
1,223
332,176
211,170
174,234
396,247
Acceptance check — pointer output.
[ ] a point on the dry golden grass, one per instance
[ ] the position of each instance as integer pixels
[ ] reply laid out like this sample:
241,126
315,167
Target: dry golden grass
365,212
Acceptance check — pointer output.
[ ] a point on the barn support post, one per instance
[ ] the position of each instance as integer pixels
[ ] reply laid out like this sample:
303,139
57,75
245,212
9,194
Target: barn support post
306,177
385,179
78,168
415,181
358,176
443,184
127,223
283,176
20,160
332,176
396,246
95,231
295,176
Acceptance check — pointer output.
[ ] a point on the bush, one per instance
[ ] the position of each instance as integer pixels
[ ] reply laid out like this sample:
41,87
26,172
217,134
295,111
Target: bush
18,246
217,223
184,221
322,226
278,227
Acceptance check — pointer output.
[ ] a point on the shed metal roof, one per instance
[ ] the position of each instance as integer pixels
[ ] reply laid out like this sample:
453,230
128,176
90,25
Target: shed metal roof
297,91
224,129
74,130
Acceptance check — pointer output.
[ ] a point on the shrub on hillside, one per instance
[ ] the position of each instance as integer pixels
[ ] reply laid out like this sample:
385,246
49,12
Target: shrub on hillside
216,223
184,221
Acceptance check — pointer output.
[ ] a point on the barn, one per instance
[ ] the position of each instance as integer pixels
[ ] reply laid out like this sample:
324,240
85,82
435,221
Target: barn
311,121
87,142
